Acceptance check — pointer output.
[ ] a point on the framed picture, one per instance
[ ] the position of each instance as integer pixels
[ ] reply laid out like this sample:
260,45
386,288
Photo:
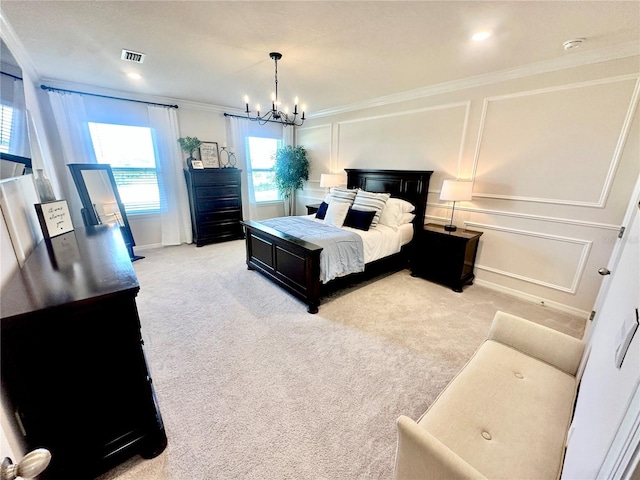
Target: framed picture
197,164
54,218
209,155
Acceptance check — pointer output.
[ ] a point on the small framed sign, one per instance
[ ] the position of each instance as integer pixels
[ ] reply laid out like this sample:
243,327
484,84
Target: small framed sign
197,164
209,154
54,217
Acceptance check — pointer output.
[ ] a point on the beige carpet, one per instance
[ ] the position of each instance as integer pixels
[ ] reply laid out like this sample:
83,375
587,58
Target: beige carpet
251,386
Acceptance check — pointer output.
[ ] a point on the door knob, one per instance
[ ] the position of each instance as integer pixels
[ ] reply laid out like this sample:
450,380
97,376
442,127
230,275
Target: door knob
604,271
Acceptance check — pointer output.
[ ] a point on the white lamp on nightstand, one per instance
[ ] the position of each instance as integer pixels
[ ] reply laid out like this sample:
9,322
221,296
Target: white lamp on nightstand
328,180
455,191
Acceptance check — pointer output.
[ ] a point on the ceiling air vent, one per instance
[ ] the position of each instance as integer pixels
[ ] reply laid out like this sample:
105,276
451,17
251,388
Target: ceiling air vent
131,56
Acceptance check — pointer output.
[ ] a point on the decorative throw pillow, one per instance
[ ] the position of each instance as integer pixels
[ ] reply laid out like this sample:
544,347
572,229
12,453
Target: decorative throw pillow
336,213
322,210
341,194
369,201
359,219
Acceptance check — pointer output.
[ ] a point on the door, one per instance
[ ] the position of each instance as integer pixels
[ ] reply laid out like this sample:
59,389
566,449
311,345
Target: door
607,410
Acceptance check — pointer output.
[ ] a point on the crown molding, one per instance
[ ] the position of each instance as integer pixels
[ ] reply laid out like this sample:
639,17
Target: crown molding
17,49
613,52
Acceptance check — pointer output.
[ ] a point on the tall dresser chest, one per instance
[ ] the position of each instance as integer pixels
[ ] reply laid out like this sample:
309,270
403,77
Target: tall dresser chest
215,198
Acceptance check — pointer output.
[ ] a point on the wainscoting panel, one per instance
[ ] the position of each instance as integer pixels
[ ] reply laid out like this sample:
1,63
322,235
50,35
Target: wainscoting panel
540,145
551,261
425,139
317,141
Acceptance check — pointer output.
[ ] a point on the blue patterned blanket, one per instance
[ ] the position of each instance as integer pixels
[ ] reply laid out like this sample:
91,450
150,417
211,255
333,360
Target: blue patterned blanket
342,251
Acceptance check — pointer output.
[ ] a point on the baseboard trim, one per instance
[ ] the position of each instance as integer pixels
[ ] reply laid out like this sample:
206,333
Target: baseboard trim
533,298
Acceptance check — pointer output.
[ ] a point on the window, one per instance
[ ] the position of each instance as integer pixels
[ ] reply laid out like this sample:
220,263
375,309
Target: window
129,151
6,122
261,152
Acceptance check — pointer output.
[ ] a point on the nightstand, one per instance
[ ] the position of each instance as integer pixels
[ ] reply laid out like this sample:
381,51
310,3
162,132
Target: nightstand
312,208
445,257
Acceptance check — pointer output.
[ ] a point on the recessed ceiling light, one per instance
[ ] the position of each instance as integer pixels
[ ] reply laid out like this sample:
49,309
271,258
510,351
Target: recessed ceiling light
480,36
134,75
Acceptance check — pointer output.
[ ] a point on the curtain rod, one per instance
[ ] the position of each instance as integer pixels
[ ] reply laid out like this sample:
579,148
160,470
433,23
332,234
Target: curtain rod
12,76
53,89
245,118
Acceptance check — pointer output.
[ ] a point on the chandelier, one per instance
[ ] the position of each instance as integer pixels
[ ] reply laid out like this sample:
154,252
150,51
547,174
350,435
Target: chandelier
275,115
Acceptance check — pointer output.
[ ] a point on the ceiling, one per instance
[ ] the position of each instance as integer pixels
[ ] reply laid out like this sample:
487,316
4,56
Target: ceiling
335,53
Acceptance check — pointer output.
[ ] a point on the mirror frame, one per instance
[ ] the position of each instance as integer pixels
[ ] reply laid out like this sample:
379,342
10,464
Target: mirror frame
89,215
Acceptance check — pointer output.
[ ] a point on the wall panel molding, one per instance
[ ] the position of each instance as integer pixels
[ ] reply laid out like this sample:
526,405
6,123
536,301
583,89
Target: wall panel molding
616,154
529,216
579,269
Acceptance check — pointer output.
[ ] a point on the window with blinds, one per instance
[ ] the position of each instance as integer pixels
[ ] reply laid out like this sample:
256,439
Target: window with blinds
6,121
129,150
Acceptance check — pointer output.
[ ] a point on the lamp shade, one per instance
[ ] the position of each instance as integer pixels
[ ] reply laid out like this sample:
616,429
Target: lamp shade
456,191
328,180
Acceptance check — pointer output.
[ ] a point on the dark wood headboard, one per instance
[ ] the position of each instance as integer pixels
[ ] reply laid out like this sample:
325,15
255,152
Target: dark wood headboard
409,185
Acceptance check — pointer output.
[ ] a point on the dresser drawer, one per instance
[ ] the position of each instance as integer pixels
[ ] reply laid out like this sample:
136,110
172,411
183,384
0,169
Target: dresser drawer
224,229
209,204
220,216
204,193
216,177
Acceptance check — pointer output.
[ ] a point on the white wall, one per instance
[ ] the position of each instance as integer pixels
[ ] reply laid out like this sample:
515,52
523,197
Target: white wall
553,156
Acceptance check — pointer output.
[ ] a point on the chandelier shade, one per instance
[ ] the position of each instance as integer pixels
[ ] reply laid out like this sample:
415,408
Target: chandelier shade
275,114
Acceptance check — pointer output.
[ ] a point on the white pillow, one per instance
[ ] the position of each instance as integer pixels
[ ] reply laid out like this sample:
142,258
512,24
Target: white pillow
369,201
405,207
336,213
392,212
406,218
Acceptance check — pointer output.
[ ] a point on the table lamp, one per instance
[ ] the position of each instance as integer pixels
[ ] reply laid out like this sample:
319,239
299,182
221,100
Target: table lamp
328,180
455,191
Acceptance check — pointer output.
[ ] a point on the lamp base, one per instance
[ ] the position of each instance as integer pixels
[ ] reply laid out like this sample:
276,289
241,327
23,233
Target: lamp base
450,228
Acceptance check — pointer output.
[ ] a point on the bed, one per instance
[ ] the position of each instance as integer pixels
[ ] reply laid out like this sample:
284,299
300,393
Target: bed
293,263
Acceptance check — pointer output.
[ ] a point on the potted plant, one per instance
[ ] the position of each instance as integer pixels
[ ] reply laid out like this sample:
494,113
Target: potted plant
189,145
291,170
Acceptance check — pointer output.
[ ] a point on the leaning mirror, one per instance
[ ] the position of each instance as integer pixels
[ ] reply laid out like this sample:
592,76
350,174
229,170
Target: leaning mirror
15,156
101,202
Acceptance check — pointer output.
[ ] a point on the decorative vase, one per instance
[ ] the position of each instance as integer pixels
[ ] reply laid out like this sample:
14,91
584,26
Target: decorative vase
43,186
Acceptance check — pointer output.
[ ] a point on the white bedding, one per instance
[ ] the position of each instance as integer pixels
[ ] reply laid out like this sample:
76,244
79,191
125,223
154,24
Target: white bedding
380,241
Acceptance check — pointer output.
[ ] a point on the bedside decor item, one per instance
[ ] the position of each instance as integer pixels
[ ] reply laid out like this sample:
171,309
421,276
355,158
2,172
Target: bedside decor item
275,115
291,170
209,155
328,180
189,145
455,191
54,218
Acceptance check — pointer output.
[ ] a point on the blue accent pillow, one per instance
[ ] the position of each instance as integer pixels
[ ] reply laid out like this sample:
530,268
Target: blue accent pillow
322,210
360,219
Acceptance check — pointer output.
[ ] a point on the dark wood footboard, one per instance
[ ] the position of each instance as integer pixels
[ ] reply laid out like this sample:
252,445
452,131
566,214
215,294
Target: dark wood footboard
294,264
288,261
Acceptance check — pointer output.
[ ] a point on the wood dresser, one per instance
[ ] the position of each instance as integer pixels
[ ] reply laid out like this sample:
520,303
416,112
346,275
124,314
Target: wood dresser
73,372
215,198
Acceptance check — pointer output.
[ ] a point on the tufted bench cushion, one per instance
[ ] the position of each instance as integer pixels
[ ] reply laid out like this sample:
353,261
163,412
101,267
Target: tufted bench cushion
505,415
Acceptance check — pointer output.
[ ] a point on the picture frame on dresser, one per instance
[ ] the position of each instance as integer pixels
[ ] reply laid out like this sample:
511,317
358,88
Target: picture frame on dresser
209,155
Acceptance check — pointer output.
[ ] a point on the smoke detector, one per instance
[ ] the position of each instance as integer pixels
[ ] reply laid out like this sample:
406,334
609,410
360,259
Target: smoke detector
131,56
573,43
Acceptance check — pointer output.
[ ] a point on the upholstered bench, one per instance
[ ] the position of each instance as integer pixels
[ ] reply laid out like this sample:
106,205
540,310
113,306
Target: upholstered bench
505,415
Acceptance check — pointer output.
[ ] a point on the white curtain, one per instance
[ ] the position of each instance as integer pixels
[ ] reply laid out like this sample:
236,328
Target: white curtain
75,140
175,215
238,129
